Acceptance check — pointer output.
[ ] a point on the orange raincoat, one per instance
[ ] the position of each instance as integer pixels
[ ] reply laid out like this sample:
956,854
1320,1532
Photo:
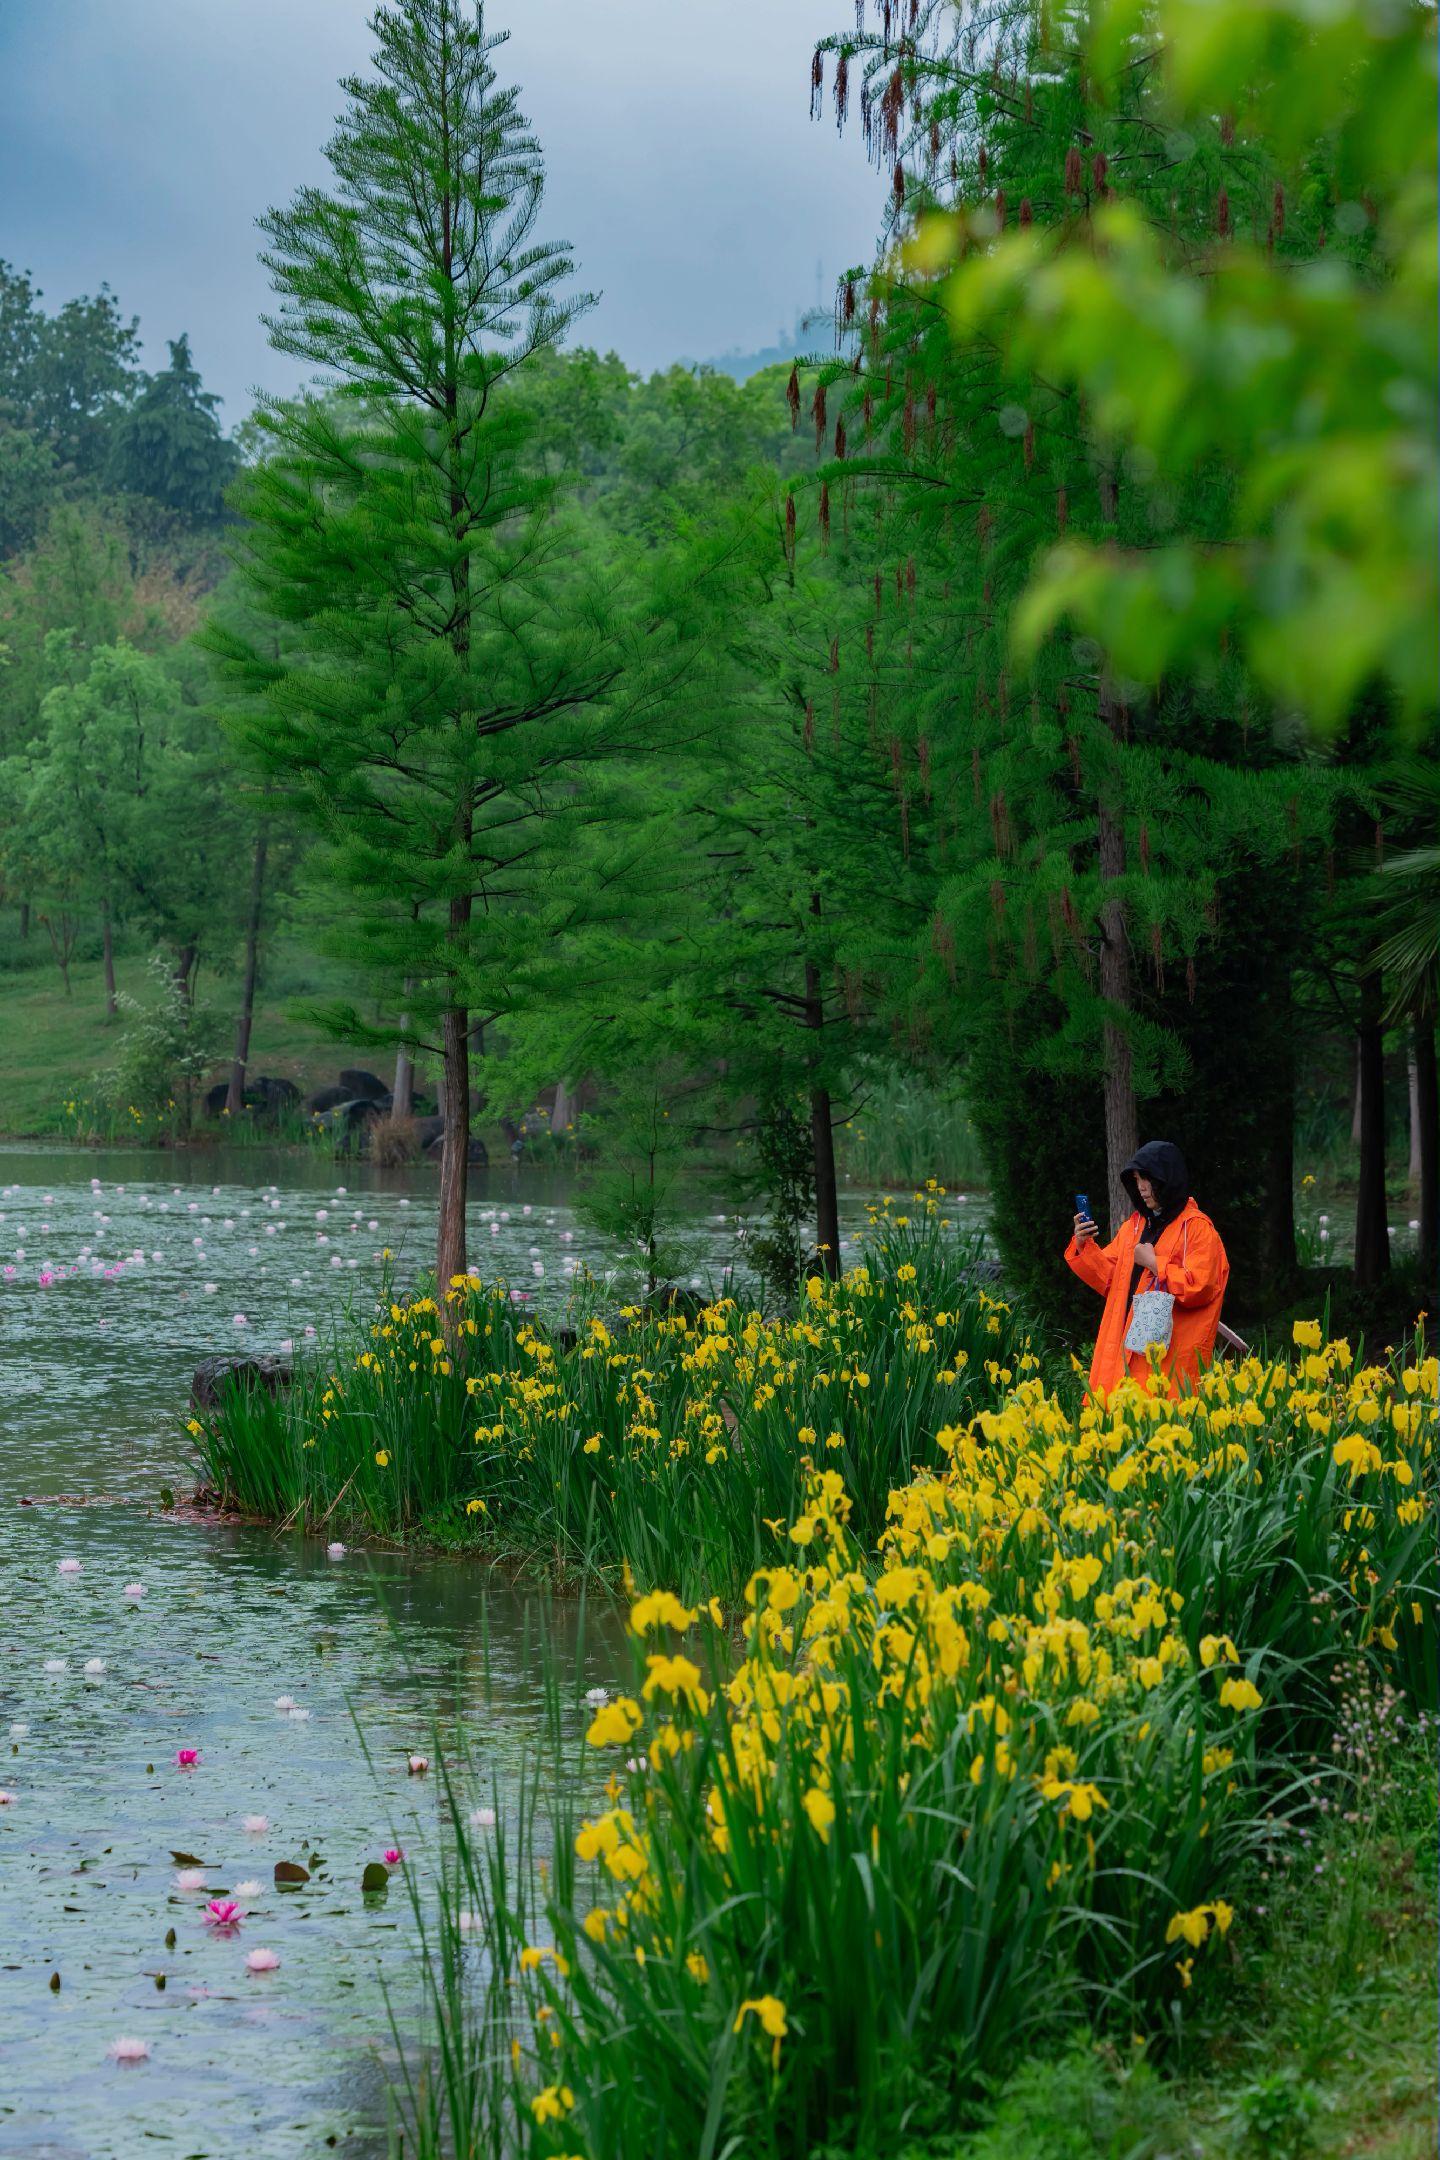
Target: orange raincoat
1193,1268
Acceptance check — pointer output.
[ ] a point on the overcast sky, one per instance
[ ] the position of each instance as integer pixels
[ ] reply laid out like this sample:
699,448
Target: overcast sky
140,140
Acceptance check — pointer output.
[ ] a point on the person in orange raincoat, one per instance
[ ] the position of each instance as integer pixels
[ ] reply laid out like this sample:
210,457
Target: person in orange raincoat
1167,1244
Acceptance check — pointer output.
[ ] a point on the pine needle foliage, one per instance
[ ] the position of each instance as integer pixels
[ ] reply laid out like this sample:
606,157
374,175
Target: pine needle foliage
442,700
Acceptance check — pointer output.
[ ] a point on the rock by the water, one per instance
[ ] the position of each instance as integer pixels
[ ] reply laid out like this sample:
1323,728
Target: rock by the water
265,1374
356,1081
326,1098
265,1096
348,1123
430,1133
276,1094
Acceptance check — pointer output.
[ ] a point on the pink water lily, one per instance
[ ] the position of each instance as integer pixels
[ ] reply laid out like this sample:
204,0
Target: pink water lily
127,2049
262,1961
187,1758
224,1913
393,1855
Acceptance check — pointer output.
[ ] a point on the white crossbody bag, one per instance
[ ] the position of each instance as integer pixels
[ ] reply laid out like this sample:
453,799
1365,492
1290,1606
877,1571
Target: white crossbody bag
1152,1315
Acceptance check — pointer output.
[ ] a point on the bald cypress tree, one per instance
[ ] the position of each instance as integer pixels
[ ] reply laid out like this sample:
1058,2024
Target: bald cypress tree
441,686
1086,833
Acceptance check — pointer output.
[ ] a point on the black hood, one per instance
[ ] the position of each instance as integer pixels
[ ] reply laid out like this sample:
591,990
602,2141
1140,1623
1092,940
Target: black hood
1164,1165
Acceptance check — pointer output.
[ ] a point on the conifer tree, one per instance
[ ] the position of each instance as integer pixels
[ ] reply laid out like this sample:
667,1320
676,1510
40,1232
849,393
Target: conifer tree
441,700
168,443
1082,825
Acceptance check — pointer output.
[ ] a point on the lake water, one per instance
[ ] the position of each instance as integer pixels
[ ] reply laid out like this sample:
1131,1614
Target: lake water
118,1273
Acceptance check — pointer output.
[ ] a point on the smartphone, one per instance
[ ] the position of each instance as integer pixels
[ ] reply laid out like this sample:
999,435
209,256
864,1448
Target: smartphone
1082,1205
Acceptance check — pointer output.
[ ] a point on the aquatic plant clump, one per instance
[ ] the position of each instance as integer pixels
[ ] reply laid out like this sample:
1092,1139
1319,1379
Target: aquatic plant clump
1022,1756
658,1440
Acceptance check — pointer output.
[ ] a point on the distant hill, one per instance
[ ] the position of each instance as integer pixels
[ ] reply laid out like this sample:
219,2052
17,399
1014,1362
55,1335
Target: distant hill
814,330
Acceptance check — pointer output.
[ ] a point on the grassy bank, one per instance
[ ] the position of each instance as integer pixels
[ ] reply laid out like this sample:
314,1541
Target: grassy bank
52,1046
1116,1712
1318,2042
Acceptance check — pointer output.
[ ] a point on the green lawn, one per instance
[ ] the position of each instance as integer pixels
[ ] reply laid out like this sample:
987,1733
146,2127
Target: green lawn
51,1045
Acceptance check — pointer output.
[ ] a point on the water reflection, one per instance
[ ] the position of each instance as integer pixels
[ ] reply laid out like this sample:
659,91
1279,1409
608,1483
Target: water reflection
231,1620
118,1272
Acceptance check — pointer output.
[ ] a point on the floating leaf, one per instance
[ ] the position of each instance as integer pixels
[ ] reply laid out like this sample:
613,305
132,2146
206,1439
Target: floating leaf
375,1877
186,1859
289,1875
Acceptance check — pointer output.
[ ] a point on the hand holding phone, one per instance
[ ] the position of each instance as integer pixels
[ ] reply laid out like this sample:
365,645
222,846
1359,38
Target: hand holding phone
1084,1227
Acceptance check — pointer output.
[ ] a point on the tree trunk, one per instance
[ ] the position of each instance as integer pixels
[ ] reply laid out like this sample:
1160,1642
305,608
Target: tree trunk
1372,1236
455,1155
562,1116
1412,1073
24,918
450,1252
403,1091
1122,1128
235,1093
60,944
822,1131
1355,1111
112,1006
827,1202
1427,1124
184,974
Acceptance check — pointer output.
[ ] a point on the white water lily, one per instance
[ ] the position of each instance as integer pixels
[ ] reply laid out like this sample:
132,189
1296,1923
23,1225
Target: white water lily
190,1878
255,1825
284,1702
134,1592
57,1664
482,1818
596,1696
249,1889
94,1666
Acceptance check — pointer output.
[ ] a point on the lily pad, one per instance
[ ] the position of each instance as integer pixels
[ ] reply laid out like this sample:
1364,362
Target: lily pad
289,1875
186,1859
375,1877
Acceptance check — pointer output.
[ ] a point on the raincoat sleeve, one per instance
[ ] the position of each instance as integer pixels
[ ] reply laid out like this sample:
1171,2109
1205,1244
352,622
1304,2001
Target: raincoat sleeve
1094,1263
1198,1270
